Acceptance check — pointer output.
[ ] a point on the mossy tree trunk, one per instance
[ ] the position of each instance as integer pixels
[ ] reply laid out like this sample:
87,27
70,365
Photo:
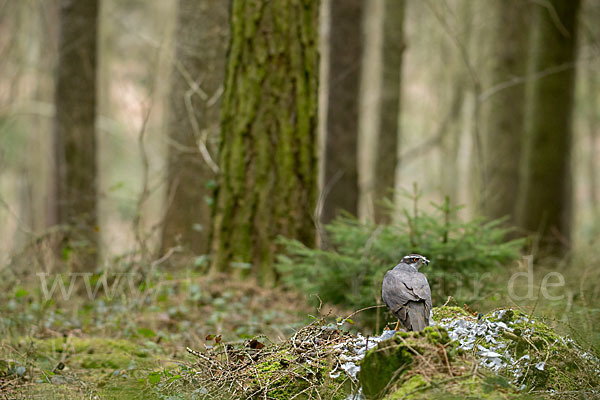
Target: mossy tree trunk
75,137
386,156
504,109
340,164
195,98
545,206
267,184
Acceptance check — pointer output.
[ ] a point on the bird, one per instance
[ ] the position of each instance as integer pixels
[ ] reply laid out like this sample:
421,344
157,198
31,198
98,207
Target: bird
406,292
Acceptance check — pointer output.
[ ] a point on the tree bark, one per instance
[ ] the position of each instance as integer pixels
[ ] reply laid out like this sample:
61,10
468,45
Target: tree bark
75,137
386,155
340,185
267,153
504,111
195,99
546,195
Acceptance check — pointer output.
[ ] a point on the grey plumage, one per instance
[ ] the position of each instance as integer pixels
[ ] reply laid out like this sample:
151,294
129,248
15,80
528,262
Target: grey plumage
407,294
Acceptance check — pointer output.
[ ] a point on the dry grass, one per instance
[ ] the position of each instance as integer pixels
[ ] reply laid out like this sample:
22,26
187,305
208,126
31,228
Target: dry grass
297,367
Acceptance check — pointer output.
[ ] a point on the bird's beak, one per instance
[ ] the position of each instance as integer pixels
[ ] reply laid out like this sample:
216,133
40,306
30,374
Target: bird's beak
426,262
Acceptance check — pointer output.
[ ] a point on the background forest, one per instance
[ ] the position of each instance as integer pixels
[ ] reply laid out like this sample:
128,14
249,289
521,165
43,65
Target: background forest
172,169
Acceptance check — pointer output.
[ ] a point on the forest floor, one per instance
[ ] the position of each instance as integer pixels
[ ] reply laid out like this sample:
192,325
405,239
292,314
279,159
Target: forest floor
126,338
86,344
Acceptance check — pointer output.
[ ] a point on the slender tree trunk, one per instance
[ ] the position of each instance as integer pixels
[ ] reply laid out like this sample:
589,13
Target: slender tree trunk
504,110
593,127
27,45
42,183
452,131
340,185
386,155
268,179
196,85
75,138
545,206
450,141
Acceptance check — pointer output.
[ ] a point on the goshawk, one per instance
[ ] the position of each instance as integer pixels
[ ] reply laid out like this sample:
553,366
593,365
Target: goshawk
407,294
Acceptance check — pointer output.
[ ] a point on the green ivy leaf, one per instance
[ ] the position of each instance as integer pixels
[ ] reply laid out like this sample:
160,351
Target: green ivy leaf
154,378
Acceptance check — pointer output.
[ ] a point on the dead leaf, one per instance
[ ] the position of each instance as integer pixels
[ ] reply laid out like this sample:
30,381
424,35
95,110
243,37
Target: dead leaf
255,344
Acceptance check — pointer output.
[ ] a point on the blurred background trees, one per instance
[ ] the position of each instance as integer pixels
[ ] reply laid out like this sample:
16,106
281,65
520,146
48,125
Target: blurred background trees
75,195
503,110
547,181
195,97
340,159
386,150
166,140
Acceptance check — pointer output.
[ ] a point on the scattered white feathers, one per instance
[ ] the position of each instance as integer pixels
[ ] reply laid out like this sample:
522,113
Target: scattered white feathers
495,355
491,348
353,350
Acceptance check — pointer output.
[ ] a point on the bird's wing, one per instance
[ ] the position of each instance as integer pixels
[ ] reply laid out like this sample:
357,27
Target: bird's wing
395,292
420,287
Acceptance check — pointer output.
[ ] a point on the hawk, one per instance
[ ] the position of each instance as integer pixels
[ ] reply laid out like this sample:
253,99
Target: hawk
407,294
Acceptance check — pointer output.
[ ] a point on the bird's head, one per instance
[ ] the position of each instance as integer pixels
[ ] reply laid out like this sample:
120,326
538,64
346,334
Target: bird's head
415,260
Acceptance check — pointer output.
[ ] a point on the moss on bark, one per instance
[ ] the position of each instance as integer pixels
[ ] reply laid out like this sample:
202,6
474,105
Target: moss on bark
268,179
387,366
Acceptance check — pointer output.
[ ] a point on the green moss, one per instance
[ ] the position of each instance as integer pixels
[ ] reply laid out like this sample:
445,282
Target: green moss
110,368
442,386
435,335
80,345
402,334
94,352
284,377
395,367
408,387
384,365
386,362
563,368
49,391
466,386
448,312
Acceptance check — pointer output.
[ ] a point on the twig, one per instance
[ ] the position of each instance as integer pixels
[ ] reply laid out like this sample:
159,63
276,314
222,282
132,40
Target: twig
362,309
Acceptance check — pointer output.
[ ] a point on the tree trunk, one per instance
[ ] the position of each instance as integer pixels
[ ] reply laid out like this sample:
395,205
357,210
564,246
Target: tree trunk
196,85
42,171
340,185
267,154
593,126
386,155
452,125
546,192
75,138
504,110
450,140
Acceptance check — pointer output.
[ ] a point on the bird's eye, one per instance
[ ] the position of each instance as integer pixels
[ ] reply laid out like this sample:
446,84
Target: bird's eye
415,260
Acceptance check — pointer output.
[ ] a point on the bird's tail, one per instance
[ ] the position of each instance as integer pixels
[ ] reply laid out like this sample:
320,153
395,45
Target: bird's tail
417,315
